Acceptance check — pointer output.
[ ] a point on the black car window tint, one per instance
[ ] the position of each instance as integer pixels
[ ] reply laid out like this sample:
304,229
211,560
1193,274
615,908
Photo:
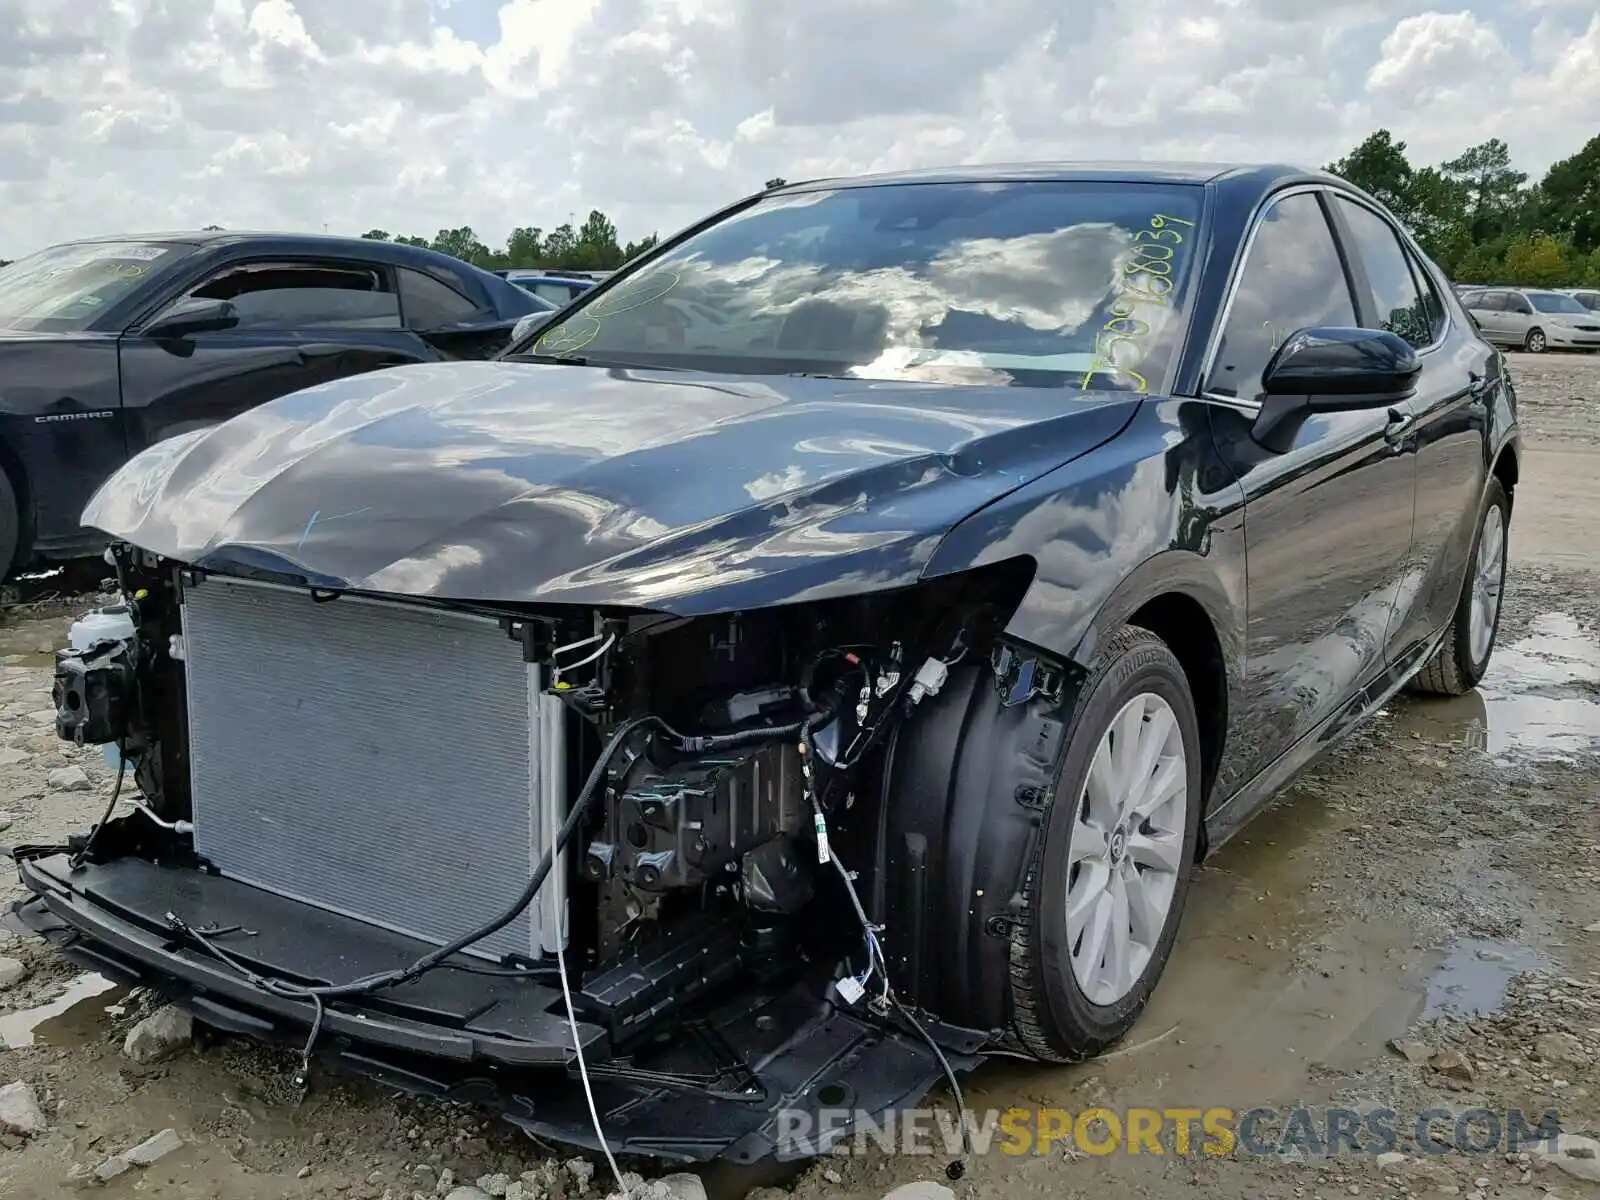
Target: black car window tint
295,296
1402,306
1292,280
430,304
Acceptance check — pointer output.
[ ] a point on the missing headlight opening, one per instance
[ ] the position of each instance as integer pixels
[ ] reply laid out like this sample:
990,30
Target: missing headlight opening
412,834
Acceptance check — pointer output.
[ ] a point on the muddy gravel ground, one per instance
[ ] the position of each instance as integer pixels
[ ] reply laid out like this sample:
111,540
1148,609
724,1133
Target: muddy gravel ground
1415,926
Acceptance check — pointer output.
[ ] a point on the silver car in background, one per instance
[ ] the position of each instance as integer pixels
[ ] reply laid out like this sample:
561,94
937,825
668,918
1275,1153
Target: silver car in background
1533,319
1588,297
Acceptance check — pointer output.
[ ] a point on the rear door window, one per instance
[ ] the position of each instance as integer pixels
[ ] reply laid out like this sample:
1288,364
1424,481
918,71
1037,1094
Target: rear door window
431,305
1402,307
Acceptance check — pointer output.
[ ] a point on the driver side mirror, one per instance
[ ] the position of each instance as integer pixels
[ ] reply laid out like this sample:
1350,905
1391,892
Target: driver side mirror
194,316
1331,369
1336,369
528,324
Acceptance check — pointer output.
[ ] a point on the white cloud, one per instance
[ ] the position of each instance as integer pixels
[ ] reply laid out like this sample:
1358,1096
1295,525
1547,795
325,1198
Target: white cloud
413,115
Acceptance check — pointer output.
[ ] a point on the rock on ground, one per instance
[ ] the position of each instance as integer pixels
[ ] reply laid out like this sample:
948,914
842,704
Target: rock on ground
160,1035
111,1168
1413,1052
153,1149
12,973
1577,1156
1453,1064
582,1172
467,1193
921,1190
19,1110
1560,1048
67,779
681,1186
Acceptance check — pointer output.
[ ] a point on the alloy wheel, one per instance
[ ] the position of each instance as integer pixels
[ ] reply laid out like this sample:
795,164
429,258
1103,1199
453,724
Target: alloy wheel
1126,848
1487,582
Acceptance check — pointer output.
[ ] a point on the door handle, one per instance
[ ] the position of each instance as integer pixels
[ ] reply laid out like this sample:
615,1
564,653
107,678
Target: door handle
1399,428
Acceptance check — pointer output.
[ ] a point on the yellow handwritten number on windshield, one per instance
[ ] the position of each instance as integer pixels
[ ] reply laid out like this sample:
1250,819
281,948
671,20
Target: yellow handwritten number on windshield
1146,279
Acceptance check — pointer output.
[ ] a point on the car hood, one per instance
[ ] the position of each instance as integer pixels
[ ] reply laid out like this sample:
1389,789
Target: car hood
516,482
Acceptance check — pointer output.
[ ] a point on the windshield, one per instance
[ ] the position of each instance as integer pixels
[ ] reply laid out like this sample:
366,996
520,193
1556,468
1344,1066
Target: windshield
1046,284
67,287
1551,302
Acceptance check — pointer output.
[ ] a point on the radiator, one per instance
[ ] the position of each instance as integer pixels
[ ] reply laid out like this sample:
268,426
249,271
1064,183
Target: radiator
391,763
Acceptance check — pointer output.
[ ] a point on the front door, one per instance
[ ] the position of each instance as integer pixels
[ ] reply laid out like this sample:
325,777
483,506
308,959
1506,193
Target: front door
1327,511
1451,412
1517,320
298,324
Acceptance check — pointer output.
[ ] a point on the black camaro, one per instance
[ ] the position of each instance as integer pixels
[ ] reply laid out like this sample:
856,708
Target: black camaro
109,345
811,662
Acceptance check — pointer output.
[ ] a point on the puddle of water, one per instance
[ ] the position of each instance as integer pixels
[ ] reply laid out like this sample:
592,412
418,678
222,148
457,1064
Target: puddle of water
1541,695
1472,980
70,1024
32,643
1235,1017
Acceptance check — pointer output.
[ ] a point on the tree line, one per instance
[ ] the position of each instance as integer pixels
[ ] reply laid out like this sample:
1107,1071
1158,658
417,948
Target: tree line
1481,219
1476,215
591,246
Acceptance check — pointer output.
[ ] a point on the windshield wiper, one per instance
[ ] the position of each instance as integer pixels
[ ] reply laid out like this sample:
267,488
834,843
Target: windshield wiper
604,361
565,360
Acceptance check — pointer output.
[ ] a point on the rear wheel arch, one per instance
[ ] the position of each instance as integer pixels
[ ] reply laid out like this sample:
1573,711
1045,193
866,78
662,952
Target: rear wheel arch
1506,469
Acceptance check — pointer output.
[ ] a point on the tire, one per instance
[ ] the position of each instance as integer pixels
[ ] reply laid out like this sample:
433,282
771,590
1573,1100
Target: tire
10,527
1535,342
1054,1017
1458,664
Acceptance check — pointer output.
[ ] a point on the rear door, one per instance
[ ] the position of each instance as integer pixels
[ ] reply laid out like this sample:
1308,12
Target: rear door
1488,310
1328,513
1396,291
300,321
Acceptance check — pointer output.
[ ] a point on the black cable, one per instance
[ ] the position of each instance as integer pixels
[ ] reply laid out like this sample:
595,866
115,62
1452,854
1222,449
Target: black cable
77,860
957,1169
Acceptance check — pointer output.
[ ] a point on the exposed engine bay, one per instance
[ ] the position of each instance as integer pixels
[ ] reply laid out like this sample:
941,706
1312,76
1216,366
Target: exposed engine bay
689,861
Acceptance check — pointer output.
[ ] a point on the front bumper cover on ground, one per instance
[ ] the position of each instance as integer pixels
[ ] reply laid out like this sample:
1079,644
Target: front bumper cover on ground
732,1081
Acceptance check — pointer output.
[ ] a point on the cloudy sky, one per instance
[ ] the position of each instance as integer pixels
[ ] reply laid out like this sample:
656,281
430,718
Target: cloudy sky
409,115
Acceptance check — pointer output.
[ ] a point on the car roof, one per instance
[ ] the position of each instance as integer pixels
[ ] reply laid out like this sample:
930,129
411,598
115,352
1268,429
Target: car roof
1107,171
300,243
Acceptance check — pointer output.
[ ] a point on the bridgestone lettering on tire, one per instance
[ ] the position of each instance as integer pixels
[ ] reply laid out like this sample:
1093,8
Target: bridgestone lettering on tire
1104,896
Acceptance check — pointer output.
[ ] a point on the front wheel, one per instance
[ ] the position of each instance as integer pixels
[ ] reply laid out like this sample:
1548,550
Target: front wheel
1463,656
1105,892
1535,343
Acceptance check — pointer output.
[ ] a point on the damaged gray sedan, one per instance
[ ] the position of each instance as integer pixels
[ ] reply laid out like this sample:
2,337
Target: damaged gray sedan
682,726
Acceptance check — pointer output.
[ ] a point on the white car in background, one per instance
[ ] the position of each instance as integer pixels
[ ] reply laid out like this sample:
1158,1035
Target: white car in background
1533,319
1588,297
